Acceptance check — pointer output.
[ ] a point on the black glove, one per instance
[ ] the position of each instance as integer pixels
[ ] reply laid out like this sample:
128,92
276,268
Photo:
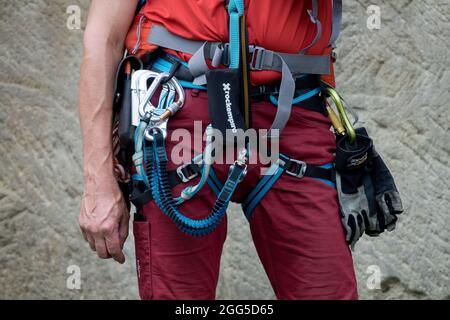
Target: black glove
354,185
388,202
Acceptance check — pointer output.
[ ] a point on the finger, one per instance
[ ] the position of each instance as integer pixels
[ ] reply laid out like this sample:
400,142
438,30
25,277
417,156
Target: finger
91,241
100,247
123,229
113,247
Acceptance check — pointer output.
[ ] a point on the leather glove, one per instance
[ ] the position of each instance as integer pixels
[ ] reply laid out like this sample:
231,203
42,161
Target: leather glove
354,185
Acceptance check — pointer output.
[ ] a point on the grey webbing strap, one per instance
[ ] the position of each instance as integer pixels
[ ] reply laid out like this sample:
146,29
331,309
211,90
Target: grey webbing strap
285,96
162,37
337,22
299,64
264,60
314,15
198,67
214,51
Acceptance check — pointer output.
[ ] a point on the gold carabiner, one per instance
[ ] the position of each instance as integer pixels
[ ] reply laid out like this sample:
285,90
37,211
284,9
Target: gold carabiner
332,93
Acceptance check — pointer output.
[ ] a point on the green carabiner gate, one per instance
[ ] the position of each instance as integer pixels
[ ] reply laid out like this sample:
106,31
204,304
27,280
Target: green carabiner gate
350,131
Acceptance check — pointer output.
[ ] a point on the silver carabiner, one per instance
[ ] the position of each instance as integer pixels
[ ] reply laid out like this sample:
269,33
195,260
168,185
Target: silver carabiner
155,122
139,89
158,117
145,109
175,105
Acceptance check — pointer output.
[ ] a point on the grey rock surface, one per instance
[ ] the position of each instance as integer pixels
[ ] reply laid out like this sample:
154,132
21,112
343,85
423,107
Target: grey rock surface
397,78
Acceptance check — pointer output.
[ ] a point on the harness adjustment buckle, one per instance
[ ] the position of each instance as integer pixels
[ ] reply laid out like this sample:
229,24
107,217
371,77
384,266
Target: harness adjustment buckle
297,168
257,57
185,176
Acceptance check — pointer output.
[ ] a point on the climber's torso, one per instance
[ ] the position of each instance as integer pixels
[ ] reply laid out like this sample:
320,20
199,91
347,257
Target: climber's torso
282,26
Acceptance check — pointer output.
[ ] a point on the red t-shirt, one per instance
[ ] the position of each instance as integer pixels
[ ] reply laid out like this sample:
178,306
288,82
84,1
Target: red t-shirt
279,25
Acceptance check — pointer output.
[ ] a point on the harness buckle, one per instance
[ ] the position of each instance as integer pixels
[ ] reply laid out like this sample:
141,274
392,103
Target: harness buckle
185,178
257,57
299,169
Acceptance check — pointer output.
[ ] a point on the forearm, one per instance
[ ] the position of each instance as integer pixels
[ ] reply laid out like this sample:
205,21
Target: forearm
107,25
95,107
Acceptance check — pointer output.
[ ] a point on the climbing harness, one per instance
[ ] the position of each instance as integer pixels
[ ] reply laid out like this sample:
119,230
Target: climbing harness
229,95
229,105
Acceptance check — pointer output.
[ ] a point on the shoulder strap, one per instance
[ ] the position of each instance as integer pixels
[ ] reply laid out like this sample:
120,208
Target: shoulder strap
337,22
314,15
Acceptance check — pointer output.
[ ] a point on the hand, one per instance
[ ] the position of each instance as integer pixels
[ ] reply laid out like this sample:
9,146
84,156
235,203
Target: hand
104,218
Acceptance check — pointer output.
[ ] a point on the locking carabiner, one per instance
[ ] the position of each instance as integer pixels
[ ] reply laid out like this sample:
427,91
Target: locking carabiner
349,130
157,117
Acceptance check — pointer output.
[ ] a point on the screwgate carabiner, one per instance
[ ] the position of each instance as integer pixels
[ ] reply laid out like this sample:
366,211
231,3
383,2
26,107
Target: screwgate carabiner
350,131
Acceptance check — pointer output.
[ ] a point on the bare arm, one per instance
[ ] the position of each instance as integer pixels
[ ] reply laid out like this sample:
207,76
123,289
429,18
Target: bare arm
103,215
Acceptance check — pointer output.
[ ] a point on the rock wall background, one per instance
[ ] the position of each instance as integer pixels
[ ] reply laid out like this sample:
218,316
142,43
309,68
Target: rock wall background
397,78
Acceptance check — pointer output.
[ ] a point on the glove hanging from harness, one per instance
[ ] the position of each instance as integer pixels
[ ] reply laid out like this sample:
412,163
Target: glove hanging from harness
354,186
368,198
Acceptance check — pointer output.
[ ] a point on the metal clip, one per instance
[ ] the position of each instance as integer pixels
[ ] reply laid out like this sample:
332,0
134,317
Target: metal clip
138,90
257,57
332,93
154,123
182,176
145,106
300,173
157,117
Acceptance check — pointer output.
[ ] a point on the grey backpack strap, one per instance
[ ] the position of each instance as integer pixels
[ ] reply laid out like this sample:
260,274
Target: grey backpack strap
314,15
337,22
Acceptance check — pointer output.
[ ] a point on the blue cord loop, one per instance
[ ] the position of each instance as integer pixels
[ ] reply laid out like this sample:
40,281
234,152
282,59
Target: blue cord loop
235,11
158,180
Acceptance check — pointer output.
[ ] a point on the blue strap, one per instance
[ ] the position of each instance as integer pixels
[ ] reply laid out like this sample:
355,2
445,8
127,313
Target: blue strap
214,182
263,186
299,98
266,183
236,11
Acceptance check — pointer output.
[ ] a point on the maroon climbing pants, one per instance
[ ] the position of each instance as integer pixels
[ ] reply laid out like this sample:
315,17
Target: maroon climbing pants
296,227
